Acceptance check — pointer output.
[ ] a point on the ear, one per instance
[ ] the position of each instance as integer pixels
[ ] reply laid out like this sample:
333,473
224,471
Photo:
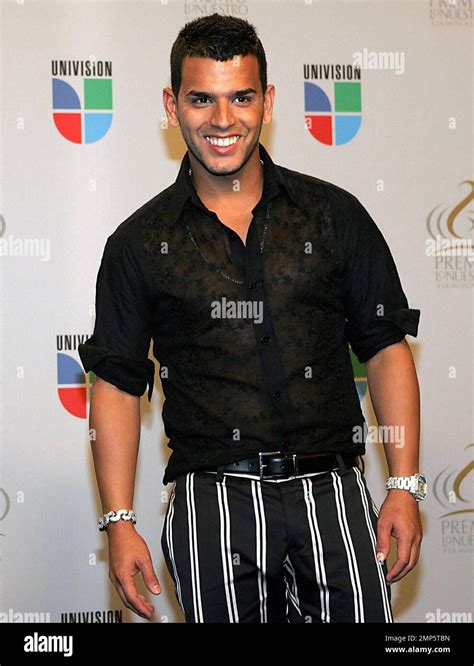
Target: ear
170,105
268,101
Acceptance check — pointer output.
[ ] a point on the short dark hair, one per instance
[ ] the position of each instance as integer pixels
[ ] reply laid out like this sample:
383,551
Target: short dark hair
220,38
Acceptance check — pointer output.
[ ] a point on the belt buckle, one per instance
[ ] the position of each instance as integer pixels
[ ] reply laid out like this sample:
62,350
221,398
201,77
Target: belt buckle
263,454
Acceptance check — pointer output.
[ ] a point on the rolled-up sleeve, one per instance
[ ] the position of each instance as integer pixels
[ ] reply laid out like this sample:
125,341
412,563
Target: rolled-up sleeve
376,308
117,351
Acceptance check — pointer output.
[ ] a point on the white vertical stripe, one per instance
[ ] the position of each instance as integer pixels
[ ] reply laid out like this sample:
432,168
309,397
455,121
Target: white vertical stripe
373,540
193,549
223,552
261,546
264,548
169,541
292,591
376,511
351,558
318,554
229,552
190,545
226,552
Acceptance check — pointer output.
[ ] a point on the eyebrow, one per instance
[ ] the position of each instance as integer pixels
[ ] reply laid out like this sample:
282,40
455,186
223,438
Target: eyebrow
203,93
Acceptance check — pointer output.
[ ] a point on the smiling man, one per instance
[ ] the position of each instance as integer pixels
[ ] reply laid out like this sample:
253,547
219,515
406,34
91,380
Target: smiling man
270,518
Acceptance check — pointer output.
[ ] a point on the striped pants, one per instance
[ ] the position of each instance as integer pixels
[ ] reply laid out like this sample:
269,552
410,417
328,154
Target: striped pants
295,550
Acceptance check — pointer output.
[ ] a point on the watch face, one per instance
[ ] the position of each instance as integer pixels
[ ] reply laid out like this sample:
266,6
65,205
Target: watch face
422,486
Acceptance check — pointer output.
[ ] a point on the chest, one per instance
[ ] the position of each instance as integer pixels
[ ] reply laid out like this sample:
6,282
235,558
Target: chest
298,267
238,221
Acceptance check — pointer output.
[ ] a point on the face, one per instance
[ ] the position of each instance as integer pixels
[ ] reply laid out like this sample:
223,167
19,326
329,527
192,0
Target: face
220,100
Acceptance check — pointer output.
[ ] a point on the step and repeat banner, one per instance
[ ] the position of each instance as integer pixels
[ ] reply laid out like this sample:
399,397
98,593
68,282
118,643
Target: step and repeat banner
375,96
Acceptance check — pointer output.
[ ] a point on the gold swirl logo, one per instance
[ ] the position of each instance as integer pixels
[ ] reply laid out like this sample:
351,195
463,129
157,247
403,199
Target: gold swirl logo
455,223
448,488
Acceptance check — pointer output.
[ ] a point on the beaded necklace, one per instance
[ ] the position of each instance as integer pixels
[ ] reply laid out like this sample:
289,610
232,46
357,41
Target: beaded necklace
217,270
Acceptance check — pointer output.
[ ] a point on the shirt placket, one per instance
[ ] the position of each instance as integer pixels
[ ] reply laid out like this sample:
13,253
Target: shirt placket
250,259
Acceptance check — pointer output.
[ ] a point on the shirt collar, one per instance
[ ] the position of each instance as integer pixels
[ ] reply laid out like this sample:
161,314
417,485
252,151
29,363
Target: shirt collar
273,182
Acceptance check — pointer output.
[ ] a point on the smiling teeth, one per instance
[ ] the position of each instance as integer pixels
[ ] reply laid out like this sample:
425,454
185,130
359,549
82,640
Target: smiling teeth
222,142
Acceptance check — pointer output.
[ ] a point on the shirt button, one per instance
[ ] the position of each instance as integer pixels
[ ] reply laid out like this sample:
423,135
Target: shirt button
277,395
265,339
253,286
285,445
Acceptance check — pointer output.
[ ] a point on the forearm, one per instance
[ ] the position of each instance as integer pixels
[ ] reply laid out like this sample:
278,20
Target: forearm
395,395
115,418
115,423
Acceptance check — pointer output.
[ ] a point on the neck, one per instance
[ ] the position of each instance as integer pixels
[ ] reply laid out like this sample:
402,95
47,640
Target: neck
211,188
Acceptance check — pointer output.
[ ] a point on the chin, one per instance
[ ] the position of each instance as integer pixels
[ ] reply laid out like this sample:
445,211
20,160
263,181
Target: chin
223,169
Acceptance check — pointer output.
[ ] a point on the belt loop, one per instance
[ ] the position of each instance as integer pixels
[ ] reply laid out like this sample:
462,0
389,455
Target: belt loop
342,464
220,473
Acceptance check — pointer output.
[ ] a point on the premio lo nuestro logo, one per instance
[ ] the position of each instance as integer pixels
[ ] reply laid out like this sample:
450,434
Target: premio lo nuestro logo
447,488
73,383
82,106
452,488
450,226
333,106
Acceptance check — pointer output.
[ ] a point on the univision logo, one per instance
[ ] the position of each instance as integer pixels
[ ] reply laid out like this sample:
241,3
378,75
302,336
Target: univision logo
333,109
82,109
73,383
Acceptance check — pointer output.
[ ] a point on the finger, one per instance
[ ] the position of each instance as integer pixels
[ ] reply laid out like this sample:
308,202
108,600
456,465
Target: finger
121,594
404,547
415,553
382,547
149,576
133,597
148,604
130,599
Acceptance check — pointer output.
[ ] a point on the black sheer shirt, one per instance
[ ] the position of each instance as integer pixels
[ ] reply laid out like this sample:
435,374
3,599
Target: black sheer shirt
252,340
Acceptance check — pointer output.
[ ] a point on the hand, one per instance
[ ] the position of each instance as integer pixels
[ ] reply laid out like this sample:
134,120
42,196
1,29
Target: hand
400,517
129,554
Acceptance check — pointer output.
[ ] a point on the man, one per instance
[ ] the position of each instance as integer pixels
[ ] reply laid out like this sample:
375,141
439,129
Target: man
252,280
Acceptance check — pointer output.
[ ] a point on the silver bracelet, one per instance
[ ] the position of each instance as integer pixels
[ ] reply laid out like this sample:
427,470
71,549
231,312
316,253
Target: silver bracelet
114,516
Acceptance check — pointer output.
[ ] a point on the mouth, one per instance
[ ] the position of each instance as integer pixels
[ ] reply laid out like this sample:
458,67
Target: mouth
222,145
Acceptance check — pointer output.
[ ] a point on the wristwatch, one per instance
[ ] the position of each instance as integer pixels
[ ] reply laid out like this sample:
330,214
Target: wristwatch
415,484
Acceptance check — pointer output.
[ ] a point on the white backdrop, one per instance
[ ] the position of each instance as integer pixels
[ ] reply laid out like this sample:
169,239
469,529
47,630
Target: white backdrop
410,164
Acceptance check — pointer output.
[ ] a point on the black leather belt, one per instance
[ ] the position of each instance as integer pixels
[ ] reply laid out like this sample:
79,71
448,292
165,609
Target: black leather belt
277,465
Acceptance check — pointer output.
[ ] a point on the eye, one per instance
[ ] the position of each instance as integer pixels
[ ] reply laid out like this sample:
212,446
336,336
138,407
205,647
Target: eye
245,98
199,99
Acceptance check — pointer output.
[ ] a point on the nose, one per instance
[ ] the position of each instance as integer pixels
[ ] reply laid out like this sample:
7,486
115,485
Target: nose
222,116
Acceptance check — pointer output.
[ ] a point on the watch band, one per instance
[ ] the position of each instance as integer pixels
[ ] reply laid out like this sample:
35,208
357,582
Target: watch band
401,482
415,484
